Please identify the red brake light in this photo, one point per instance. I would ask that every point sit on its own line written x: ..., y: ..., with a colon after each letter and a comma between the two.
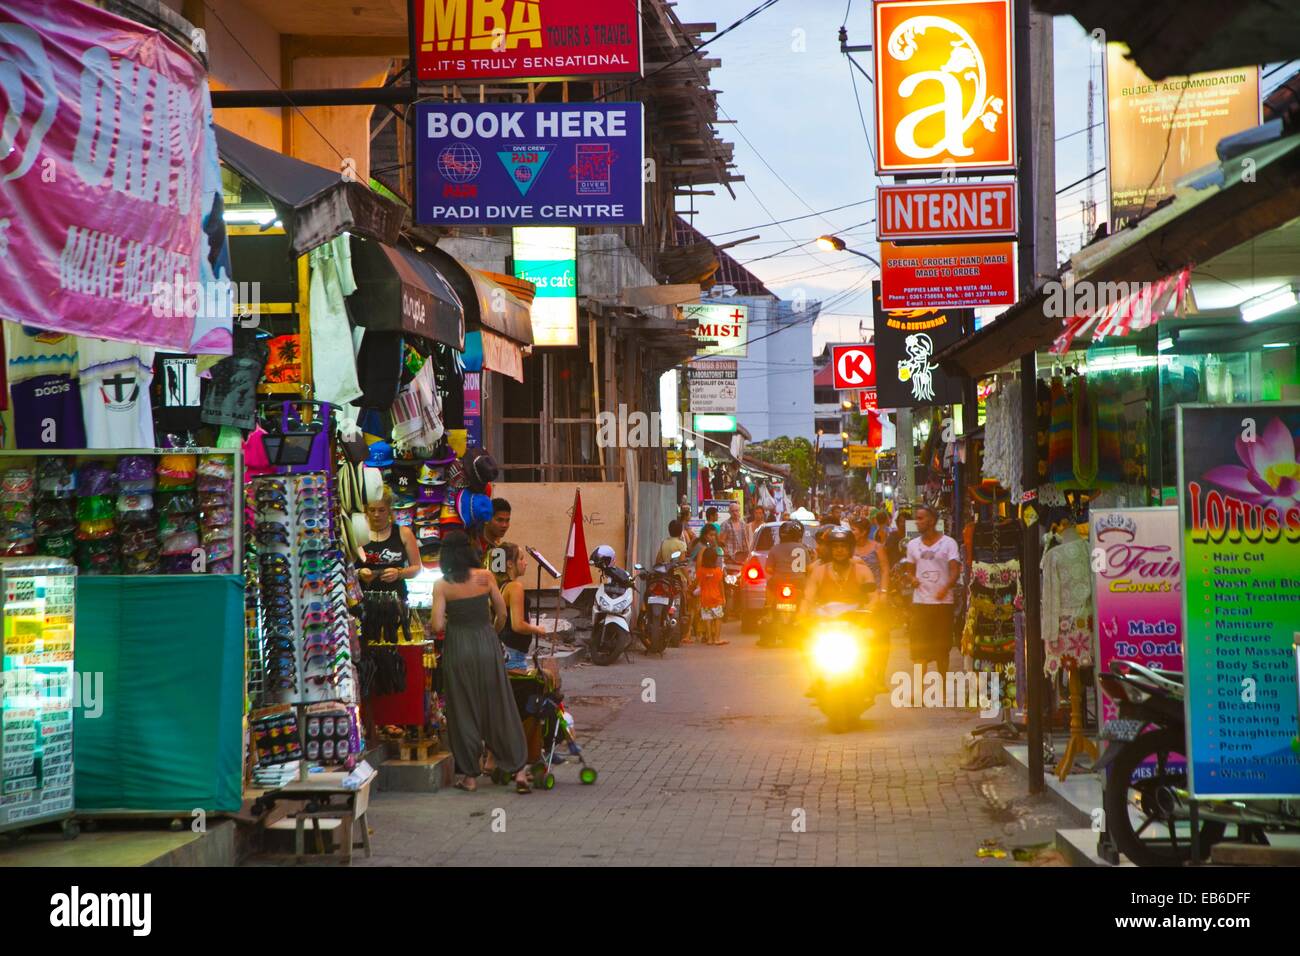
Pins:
x: 753, y: 571
x: 786, y: 591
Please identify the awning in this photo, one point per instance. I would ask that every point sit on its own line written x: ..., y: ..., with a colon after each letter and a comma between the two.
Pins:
x: 1219, y: 211
x: 488, y: 303
x: 315, y: 204
x: 1179, y: 37
x: 398, y: 290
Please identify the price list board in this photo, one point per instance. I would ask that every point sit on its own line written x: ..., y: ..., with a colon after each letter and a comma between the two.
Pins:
x: 1239, y: 503
x: 37, y: 692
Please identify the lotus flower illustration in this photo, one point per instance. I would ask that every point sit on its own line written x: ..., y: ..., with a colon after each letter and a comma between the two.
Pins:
x: 1270, y: 469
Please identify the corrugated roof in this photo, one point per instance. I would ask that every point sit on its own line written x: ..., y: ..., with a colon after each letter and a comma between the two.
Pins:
x: 730, y: 272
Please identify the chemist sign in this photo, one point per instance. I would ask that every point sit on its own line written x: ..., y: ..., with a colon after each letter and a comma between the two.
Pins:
x: 551, y: 164
x: 723, y: 329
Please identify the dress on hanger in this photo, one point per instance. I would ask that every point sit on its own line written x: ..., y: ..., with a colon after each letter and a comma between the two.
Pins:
x: 1067, y: 603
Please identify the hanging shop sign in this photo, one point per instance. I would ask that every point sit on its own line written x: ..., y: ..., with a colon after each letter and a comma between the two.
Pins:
x: 1138, y: 588
x: 861, y: 456
x: 527, y: 39
x: 712, y: 386
x: 1239, y: 506
x: 945, y: 91
x: 906, y: 343
x: 547, y: 256
x: 952, y: 276
x: 473, y: 394
x: 714, y: 423
x: 868, y: 400
x: 853, y: 366
x: 1158, y: 132
x: 723, y: 329
x: 947, y: 211
x: 110, y: 223
x: 524, y: 164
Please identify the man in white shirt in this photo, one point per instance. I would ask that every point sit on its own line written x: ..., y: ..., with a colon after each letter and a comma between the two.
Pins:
x: 935, y: 562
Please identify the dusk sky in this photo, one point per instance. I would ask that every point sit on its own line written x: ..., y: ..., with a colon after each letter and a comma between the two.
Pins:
x: 801, y: 147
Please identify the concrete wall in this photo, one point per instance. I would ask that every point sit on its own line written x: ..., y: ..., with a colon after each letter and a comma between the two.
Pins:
x: 244, y: 54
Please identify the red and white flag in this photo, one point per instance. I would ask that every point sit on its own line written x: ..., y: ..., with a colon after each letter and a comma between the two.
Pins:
x: 577, y: 572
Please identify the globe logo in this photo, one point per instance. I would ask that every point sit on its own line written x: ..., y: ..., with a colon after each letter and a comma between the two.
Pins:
x: 459, y: 163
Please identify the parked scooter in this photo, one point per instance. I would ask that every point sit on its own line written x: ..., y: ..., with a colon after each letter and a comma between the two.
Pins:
x: 1146, y: 797
x: 660, y: 620
x: 611, y: 612
x: 842, y: 652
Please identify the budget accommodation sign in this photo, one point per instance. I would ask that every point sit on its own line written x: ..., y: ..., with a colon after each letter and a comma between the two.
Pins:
x: 544, y: 164
x: 945, y: 90
x: 527, y: 39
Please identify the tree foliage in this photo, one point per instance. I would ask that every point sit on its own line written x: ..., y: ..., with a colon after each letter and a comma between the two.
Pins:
x: 795, y: 452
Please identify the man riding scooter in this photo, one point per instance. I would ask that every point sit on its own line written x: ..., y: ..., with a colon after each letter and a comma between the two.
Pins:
x: 787, y: 567
x: 844, y: 591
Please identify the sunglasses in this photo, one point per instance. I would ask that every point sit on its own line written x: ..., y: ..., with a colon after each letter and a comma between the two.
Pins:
x: 325, y: 660
x: 308, y: 521
x: 326, y: 561
x: 312, y: 501
x: 334, y: 679
x: 312, y: 481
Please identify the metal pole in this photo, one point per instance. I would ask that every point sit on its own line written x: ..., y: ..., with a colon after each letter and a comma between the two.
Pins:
x: 1027, y: 262
x: 905, y: 483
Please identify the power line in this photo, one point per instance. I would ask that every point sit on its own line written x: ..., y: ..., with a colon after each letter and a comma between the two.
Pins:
x: 1099, y: 169
x: 693, y: 50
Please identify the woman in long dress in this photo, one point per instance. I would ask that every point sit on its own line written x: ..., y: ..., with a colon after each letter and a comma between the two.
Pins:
x: 468, y: 606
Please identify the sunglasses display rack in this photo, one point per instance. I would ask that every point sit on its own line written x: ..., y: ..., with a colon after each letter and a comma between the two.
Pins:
x: 307, y: 629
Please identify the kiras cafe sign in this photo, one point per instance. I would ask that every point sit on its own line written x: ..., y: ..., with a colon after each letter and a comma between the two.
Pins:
x: 527, y: 39
x: 945, y: 88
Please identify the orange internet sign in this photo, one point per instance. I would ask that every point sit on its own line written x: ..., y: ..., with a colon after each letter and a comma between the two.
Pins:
x: 945, y: 90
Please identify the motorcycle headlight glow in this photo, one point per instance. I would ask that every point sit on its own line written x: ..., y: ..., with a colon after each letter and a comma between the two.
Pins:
x: 836, y: 652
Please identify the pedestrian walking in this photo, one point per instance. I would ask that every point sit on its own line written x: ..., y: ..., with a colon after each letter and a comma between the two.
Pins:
x: 469, y: 608
x: 712, y: 597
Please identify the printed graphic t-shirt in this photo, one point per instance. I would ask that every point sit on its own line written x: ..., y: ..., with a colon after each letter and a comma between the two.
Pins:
x: 931, y: 563
x: 47, y: 407
x: 115, y: 405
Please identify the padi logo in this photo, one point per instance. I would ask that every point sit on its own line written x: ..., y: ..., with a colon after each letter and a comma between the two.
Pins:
x: 75, y: 909
x: 56, y: 389
x: 1115, y: 522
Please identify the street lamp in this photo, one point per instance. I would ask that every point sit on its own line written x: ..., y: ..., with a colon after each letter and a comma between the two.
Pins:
x: 836, y: 244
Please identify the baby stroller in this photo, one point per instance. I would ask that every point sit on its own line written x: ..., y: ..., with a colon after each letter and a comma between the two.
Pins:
x: 546, y: 724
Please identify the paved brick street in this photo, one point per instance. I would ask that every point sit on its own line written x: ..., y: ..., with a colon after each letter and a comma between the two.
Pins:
x: 718, y: 770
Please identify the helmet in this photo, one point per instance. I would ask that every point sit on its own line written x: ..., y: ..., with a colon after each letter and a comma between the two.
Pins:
x: 602, y: 556
x: 790, y: 531
x: 839, y: 536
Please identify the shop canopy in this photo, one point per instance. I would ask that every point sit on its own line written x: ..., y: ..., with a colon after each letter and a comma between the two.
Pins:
x: 1213, y: 213
x: 314, y: 203
x: 1178, y: 37
x: 489, y: 302
x: 399, y: 290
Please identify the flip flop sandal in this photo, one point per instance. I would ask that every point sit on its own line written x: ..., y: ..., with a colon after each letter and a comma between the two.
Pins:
x: 462, y: 785
x: 522, y: 786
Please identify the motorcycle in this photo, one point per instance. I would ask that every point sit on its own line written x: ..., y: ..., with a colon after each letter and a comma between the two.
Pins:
x: 731, y: 588
x: 1146, y: 798
x: 781, y: 622
x: 659, y: 623
x: 843, y: 654
x: 611, y: 615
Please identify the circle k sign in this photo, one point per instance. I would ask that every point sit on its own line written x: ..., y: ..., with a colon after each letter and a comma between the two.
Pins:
x: 853, y: 366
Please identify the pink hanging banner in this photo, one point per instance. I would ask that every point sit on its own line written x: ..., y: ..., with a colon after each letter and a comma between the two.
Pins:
x: 108, y: 178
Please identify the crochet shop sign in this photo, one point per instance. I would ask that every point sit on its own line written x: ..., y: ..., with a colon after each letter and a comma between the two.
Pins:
x: 1239, y: 506
x: 906, y: 342
x: 950, y: 275
x: 1138, y: 586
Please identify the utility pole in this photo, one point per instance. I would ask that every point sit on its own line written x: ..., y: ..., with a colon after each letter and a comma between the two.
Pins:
x: 1035, y: 145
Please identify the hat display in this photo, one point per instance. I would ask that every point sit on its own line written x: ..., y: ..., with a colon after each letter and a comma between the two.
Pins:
x: 431, y: 494
x: 380, y: 456
x: 473, y: 509
x: 449, y: 514
x: 456, y: 475
x: 481, y: 469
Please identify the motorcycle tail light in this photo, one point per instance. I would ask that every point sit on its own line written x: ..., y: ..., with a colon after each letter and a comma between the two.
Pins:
x: 753, y: 572
x: 659, y: 590
x: 786, y: 591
